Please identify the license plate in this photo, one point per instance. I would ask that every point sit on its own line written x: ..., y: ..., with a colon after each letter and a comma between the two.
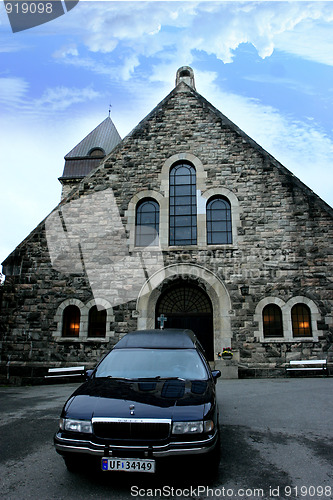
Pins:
x: 128, y: 464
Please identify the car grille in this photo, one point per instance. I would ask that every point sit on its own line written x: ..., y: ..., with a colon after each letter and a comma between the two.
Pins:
x: 131, y: 429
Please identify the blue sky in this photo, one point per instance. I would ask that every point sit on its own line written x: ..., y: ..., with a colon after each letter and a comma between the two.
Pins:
x: 268, y: 66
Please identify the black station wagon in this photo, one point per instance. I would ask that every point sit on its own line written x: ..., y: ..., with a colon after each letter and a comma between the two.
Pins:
x: 152, y: 396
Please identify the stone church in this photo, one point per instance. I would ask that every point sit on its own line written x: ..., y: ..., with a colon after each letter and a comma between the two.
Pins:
x: 186, y: 222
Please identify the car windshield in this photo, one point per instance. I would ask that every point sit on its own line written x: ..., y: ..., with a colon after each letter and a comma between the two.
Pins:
x: 153, y: 363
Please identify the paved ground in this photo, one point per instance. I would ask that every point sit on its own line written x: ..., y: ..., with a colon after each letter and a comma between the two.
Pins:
x: 277, y: 438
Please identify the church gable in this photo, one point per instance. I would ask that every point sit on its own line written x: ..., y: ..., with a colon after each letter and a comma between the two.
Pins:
x: 187, y: 205
x: 185, y: 127
x: 186, y: 123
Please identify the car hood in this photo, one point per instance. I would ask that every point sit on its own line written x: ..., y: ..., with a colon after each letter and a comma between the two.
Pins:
x: 174, y: 399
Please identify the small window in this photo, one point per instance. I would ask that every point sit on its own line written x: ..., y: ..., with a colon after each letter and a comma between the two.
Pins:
x: 183, y: 205
x: 97, y: 322
x: 147, y: 223
x: 97, y: 152
x: 219, y: 231
x: 301, y: 320
x: 272, y: 321
x: 71, y: 322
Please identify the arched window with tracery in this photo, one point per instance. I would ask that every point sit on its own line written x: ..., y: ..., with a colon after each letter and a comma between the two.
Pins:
x: 147, y: 223
x: 97, y: 322
x: 182, y: 205
x: 219, y: 228
x: 272, y: 321
x: 71, y: 321
x: 301, y: 321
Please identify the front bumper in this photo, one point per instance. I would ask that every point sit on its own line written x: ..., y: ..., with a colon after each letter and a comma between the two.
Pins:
x: 65, y: 445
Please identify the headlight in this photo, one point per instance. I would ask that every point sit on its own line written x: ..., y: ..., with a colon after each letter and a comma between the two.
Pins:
x: 67, y: 424
x: 187, y: 427
x: 192, y: 427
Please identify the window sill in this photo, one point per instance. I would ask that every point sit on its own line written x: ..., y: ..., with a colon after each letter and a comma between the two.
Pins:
x: 200, y: 247
x: 144, y: 248
x: 176, y: 248
x: 285, y: 340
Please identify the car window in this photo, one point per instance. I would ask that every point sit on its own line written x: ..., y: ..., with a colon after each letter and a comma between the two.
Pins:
x: 151, y: 363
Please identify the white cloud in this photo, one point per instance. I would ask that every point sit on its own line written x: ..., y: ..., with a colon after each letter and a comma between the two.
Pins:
x: 300, y: 28
x: 14, y: 96
x: 67, y: 50
x: 314, y: 43
x: 12, y: 90
x: 62, y: 98
x: 302, y: 147
x: 267, y: 25
x: 129, y: 66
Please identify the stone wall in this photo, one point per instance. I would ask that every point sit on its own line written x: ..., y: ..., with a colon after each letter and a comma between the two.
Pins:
x: 282, y: 243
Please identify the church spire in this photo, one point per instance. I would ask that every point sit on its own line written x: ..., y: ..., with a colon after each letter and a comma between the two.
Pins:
x: 88, y: 153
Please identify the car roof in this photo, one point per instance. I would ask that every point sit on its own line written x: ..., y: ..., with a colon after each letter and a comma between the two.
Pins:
x: 170, y: 338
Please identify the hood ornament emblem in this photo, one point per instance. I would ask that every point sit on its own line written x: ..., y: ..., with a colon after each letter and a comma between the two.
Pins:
x: 132, y: 408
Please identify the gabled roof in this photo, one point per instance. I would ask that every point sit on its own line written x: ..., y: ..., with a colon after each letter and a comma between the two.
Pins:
x: 226, y: 122
x: 104, y: 136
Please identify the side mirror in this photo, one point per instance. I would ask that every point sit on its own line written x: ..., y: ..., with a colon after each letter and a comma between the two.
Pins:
x: 216, y: 374
x: 88, y: 374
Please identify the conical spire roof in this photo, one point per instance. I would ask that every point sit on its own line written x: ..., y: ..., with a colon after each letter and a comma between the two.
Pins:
x: 86, y: 155
x: 105, y: 136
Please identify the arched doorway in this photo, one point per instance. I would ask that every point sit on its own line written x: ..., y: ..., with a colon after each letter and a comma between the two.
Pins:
x: 186, y: 305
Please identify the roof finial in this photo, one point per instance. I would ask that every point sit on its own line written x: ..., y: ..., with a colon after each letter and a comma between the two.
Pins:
x: 110, y: 106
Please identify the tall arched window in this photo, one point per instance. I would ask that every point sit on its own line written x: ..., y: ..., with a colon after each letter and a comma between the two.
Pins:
x: 219, y: 229
x: 301, y: 321
x: 272, y: 321
x: 183, y: 205
x: 71, y: 321
x: 147, y: 223
x: 97, y: 322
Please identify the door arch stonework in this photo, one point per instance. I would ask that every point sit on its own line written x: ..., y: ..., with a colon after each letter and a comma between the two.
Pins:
x: 213, y: 286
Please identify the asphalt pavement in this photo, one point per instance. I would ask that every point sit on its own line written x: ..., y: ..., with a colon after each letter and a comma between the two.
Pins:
x: 277, y: 438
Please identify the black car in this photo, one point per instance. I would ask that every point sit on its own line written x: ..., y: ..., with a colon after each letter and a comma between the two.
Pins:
x: 152, y: 396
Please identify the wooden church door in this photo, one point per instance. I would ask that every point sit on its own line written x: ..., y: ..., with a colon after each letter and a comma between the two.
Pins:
x: 188, y: 306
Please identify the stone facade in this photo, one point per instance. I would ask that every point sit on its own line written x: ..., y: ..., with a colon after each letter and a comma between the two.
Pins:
x: 280, y: 255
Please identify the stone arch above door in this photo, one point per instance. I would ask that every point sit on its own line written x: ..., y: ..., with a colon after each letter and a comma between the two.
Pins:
x: 214, y: 287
